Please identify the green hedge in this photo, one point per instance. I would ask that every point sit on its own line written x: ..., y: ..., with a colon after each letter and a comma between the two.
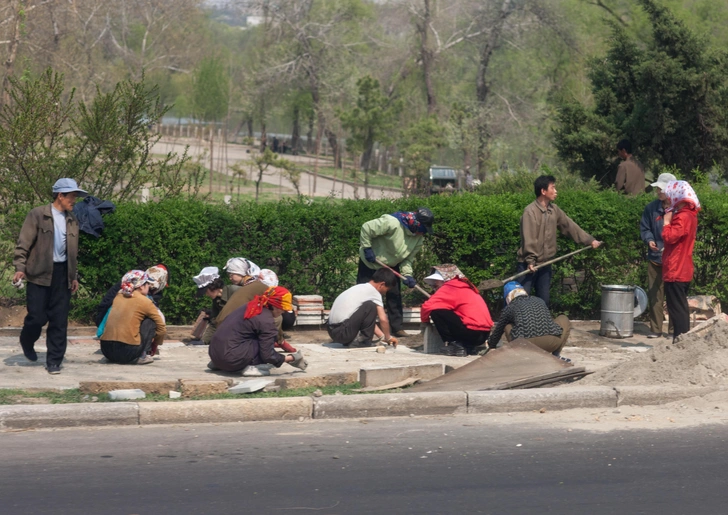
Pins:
x: 313, y: 245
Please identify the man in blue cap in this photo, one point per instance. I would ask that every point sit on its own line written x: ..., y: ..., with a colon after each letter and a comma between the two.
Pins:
x: 528, y: 317
x: 47, y: 257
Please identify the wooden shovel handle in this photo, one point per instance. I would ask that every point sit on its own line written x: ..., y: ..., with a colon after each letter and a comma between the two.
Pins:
x: 417, y: 286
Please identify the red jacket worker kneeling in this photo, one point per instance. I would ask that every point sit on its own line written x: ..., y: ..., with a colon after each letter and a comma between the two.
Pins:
x: 458, y: 311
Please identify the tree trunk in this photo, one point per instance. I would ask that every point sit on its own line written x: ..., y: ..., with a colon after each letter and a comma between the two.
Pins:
x: 366, y: 157
x: 12, y: 53
x: 334, y: 144
x: 482, y: 87
x: 427, y: 56
x: 296, y: 130
x: 309, y: 134
x: 249, y: 123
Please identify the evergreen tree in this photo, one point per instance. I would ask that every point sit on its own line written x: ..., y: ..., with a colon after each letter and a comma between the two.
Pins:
x: 668, y: 97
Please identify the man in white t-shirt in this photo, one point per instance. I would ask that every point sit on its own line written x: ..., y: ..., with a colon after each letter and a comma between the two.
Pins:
x: 353, y: 316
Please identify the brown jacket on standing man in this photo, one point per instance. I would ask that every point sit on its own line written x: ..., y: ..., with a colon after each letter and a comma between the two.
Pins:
x: 47, y: 256
x: 540, y: 224
x: 630, y: 175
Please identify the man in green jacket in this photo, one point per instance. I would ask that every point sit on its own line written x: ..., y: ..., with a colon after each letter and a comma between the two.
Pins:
x: 47, y: 257
x: 394, y: 240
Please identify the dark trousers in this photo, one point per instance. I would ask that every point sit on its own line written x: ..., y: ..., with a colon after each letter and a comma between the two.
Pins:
x: 362, y: 320
x: 392, y: 300
x: 48, y: 304
x: 540, y: 279
x: 289, y: 320
x: 676, y: 295
x: 123, y: 353
x: 452, y: 329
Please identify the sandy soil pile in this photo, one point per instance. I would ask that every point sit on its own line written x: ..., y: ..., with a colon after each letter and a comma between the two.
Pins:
x: 697, y: 359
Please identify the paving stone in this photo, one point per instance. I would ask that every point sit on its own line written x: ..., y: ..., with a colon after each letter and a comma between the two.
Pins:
x: 194, y: 388
x: 126, y: 395
x: 251, y: 386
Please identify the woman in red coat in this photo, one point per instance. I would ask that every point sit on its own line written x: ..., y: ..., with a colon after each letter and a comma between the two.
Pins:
x: 458, y: 311
x: 678, y: 234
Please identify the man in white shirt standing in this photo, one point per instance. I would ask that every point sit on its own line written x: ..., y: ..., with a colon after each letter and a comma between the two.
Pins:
x: 353, y: 316
x: 47, y: 257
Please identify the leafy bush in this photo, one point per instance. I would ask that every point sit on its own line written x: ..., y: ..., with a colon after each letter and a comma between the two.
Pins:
x: 313, y: 245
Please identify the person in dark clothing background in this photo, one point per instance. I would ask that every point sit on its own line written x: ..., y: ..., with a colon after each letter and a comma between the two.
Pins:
x: 651, y: 234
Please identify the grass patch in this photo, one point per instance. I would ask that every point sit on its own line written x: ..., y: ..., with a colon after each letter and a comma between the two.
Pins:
x: 74, y: 395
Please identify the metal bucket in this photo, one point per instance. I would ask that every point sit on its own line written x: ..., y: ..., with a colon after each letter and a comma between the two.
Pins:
x: 621, y: 304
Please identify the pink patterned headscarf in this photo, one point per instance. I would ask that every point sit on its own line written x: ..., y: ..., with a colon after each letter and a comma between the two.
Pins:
x: 133, y: 280
x: 680, y: 191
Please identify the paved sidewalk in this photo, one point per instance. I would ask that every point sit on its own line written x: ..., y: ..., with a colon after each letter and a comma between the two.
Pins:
x: 84, y: 361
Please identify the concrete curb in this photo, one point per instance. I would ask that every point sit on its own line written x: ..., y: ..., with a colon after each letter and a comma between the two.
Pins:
x: 502, y: 401
x: 338, y: 406
x: 390, y: 405
x: 69, y: 415
x: 242, y: 410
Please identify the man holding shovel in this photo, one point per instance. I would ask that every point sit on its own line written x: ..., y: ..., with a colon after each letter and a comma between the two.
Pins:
x: 393, y: 240
x: 539, y: 225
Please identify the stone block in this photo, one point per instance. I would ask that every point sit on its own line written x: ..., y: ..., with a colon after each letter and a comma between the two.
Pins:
x: 388, y: 375
x: 194, y: 388
x: 251, y: 386
x: 158, y: 387
x: 228, y: 410
x: 127, y: 395
x: 503, y: 401
x: 389, y: 405
x: 288, y: 383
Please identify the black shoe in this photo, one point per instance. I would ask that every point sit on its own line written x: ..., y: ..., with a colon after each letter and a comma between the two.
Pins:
x: 54, y: 369
x: 454, y: 349
x: 195, y: 342
x: 212, y: 366
x: 29, y: 352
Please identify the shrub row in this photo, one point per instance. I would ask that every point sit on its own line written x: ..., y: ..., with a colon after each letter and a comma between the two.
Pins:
x: 313, y: 245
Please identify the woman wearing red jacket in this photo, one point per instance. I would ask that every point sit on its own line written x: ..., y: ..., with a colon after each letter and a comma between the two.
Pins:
x: 458, y: 311
x: 678, y: 234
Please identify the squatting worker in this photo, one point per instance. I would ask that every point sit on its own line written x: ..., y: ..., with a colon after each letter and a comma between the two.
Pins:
x: 353, y: 316
x: 651, y: 234
x: 47, y: 257
x: 528, y: 317
x: 458, y: 311
x: 539, y: 224
x: 630, y: 174
x: 135, y: 326
x: 678, y: 232
x: 395, y: 240
x: 244, y: 340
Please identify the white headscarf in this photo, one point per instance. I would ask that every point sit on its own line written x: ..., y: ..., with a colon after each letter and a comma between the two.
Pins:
x: 241, y: 266
x: 206, y: 276
x: 268, y: 277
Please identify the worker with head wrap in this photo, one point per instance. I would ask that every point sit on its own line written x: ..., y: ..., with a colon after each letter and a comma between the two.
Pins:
x: 528, y: 317
x: 394, y: 240
x: 159, y: 277
x: 458, y: 311
x: 244, y: 341
x: 134, y: 325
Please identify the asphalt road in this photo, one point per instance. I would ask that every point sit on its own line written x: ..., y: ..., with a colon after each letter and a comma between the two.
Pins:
x: 447, y: 465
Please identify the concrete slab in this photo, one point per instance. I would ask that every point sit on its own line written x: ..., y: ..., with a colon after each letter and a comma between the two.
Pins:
x: 373, y: 377
x: 254, y: 385
x: 127, y: 395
